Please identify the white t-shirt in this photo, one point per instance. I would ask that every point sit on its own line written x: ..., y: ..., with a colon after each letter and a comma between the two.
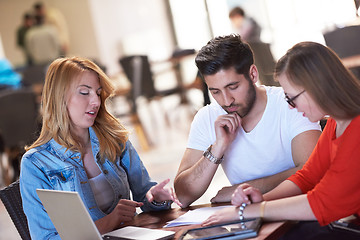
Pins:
x: 264, y: 151
x: 42, y: 43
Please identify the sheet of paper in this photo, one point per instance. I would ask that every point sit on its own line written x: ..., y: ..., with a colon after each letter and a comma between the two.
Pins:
x: 140, y: 233
x: 196, y: 216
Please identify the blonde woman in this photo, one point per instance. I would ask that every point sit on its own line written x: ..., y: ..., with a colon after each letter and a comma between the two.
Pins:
x: 83, y: 148
x: 327, y: 188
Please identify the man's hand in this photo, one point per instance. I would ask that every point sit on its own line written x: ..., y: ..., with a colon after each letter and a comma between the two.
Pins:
x: 195, y: 171
x: 226, y: 129
x: 224, y: 194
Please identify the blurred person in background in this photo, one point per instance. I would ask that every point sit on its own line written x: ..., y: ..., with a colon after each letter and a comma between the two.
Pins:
x: 54, y: 17
x: 27, y: 23
x: 247, y: 27
x: 42, y: 42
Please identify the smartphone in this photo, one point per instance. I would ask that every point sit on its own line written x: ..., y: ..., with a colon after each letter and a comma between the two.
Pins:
x: 348, y: 226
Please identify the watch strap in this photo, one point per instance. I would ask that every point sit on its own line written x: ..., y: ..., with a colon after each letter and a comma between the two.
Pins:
x: 208, y: 155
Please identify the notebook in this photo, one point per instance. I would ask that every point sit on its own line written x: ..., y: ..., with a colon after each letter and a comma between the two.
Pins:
x: 72, y: 220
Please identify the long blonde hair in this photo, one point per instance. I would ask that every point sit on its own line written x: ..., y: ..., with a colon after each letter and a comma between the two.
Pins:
x: 56, y: 122
x: 321, y: 73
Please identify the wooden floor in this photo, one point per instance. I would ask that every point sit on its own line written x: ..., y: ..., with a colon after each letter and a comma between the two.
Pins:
x: 167, y: 145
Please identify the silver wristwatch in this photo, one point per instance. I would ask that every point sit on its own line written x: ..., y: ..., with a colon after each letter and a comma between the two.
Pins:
x: 207, y: 154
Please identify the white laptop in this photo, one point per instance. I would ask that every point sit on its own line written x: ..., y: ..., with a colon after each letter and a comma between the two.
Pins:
x: 72, y: 220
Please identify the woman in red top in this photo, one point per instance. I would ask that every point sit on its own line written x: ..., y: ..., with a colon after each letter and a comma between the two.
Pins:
x: 328, y: 187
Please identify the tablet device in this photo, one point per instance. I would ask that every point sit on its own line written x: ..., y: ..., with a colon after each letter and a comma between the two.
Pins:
x: 345, y: 226
x: 231, y: 230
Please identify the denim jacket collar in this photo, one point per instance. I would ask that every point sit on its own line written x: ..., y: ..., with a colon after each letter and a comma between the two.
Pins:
x: 64, y: 153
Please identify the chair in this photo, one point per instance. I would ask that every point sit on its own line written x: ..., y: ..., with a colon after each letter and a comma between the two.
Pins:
x: 345, y: 42
x: 11, y: 198
x: 200, y: 83
x: 138, y: 71
x: 265, y: 62
x: 18, y: 126
x: 33, y: 74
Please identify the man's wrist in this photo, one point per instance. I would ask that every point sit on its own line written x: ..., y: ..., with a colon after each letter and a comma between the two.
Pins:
x: 218, y: 149
x: 211, y: 157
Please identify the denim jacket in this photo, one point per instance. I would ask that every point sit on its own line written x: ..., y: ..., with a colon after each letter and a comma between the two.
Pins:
x: 52, y: 166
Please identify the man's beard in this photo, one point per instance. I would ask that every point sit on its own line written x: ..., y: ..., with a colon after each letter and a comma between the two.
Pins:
x: 249, y: 102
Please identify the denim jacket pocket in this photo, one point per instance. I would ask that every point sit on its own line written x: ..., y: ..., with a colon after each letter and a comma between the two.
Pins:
x: 63, y: 179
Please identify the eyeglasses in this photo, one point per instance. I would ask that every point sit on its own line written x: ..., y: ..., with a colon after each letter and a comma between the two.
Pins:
x: 290, y: 101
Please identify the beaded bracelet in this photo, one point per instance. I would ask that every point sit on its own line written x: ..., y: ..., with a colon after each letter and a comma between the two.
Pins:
x: 241, y: 211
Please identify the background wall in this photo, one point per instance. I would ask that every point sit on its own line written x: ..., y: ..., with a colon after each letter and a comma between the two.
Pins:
x: 104, y: 30
x: 127, y: 27
x: 99, y: 29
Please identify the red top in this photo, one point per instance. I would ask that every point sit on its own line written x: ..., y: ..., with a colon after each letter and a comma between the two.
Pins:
x: 331, y: 176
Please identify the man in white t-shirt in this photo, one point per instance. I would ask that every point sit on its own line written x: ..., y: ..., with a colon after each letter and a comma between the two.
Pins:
x: 250, y: 129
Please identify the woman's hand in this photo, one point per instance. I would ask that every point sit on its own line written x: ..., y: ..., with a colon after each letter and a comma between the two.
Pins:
x: 160, y: 193
x: 123, y: 212
x: 125, y: 209
x: 226, y: 214
x: 245, y: 193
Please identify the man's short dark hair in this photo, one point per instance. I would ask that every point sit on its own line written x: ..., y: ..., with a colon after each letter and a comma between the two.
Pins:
x: 38, y: 5
x: 224, y: 52
x: 236, y: 11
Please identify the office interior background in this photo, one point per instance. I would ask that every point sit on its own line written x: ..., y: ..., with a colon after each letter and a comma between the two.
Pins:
x: 106, y: 30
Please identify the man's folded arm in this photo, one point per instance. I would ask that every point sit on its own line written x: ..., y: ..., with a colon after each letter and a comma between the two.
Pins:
x: 193, y: 177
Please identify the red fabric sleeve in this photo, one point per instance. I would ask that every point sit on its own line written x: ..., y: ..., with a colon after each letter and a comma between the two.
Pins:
x: 313, y: 170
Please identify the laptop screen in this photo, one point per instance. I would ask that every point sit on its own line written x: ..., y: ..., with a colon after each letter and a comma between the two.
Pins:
x: 73, y: 221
